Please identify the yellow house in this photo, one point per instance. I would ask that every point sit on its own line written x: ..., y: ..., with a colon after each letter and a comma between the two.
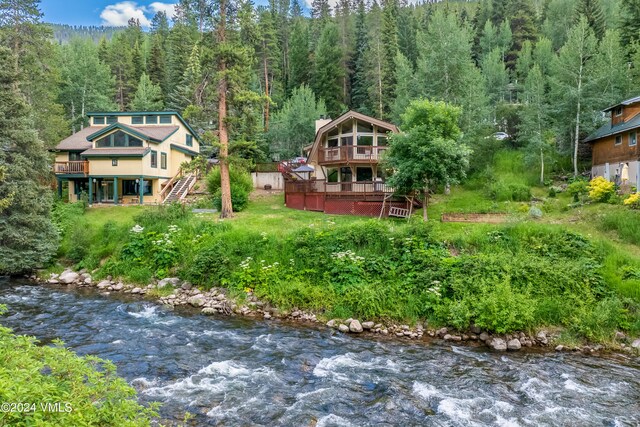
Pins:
x: 127, y: 157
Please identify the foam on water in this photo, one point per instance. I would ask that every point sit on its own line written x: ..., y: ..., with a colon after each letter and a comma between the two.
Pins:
x: 332, y: 420
x: 331, y: 366
x: 425, y: 391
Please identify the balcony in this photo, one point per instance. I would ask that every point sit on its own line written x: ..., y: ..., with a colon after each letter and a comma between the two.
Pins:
x: 365, y: 154
x: 72, y: 168
x: 351, y: 188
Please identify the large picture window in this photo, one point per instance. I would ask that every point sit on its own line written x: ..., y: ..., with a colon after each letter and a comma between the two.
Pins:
x: 364, y: 174
x: 131, y: 187
x: 118, y: 139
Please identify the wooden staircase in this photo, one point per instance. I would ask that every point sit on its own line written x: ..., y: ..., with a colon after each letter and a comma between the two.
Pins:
x: 178, y: 188
x: 286, y: 169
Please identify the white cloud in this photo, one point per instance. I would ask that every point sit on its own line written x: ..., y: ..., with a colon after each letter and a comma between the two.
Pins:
x: 117, y: 15
x: 168, y: 8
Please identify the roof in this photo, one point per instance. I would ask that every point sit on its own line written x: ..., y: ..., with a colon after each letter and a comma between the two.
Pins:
x: 116, y: 152
x: 303, y: 168
x: 145, y: 113
x: 184, y: 150
x: 625, y: 102
x: 77, y: 141
x: 148, y: 133
x: 343, y: 118
x: 607, y: 129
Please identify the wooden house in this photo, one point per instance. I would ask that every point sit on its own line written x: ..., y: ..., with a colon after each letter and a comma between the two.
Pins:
x: 347, y: 176
x: 615, y: 144
x: 127, y: 157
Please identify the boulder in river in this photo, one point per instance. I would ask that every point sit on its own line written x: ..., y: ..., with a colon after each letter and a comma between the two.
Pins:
x: 514, y: 344
x: 197, y: 301
x: 367, y: 325
x: 331, y: 323
x: 355, y: 326
x: 343, y: 328
x: 636, y: 343
x: 69, y: 277
x: 498, y: 344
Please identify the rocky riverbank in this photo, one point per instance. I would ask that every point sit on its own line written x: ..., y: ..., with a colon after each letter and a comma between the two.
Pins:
x: 174, y: 292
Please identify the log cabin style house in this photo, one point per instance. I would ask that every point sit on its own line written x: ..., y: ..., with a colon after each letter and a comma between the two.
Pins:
x: 615, y: 144
x: 127, y: 158
x: 343, y: 174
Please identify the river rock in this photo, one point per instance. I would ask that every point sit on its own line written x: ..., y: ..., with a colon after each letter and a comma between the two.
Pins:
x: 69, y: 277
x: 514, y: 344
x: 118, y: 286
x: 87, y: 281
x: 484, y: 336
x: 104, y: 284
x: 560, y: 348
x: 442, y: 332
x: 367, y: 325
x: 136, y: 291
x: 208, y: 310
x: 196, y: 301
x: 331, y: 323
x: 355, y: 326
x: 343, y: 328
x: 498, y: 344
x: 636, y: 343
x: 173, y: 281
x: 620, y: 335
x: 541, y: 337
x: 475, y: 329
x: 186, y: 286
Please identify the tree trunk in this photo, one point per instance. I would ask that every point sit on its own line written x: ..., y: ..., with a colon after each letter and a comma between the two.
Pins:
x: 541, y: 167
x: 577, y: 135
x: 225, y: 185
x: 425, y: 216
x: 266, y: 91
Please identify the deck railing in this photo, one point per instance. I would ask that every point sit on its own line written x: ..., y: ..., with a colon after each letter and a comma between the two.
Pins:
x: 321, y: 186
x: 351, y: 153
x: 74, y: 167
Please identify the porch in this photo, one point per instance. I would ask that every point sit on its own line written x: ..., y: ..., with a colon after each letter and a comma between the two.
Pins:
x: 116, y: 190
x: 71, y: 167
x: 365, y: 154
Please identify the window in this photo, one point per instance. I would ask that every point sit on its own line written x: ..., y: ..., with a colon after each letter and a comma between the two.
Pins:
x: 346, y: 140
x: 118, y: 139
x: 382, y: 141
x: 165, y: 120
x: 114, y: 162
x: 163, y: 160
x: 131, y: 187
x: 365, y: 127
x: 111, y: 120
x: 346, y: 175
x: 154, y: 159
x: 618, y: 111
x: 98, y: 120
x: 365, y: 140
x: 333, y: 142
x: 80, y: 186
x: 364, y: 174
x: 334, y: 132
x: 74, y: 157
x: 332, y: 175
x: 189, y: 140
x: 151, y: 120
x: 633, y: 139
x: 618, y: 139
x: 137, y: 120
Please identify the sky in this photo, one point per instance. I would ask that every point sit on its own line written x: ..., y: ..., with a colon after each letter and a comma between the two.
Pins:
x: 103, y: 12
x: 109, y: 12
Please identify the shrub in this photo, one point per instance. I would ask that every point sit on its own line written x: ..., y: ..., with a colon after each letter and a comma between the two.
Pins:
x: 48, y: 374
x: 578, y: 189
x: 501, y: 309
x: 601, y: 190
x: 633, y: 201
x: 241, y: 187
x: 515, y: 192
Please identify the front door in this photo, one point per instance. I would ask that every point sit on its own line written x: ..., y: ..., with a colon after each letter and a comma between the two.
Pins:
x: 108, y: 191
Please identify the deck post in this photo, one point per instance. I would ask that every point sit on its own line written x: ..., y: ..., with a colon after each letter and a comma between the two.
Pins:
x: 90, y: 191
x: 99, y: 190
x: 141, y: 189
x: 115, y: 190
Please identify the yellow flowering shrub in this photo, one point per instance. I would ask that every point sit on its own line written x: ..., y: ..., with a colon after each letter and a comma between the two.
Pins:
x: 633, y: 201
x: 601, y: 190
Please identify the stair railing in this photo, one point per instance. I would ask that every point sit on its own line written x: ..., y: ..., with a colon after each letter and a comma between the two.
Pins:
x: 169, y: 185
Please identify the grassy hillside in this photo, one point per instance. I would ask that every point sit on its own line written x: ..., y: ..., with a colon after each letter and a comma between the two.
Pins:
x: 554, y: 262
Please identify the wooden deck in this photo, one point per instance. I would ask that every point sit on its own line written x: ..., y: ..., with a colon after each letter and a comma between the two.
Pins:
x: 365, y: 154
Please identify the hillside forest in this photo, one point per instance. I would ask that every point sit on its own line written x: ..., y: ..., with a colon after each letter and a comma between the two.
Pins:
x: 540, y: 70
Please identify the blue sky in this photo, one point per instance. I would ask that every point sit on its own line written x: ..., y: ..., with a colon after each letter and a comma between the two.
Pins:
x: 102, y: 12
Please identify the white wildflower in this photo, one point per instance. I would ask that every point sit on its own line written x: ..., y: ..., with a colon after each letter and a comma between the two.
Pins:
x: 137, y: 229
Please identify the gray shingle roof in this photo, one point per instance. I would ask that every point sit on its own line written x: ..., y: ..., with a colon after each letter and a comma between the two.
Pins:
x: 625, y: 102
x: 78, y: 141
x: 607, y: 129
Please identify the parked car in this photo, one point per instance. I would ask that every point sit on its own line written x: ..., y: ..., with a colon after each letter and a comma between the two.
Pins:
x: 501, y: 136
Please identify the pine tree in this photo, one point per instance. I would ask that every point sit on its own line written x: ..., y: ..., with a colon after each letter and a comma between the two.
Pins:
x: 374, y: 62
x: 343, y: 18
x: 148, y: 96
x: 28, y: 236
x: 489, y: 39
x: 499, y: 11
x: 328, y: 73
x: 523, y: 29
x: 524, y: 62
x: 180, y: 42
x: 390, y: 50
x: 300, y: 55
x: 612, y: 69
x: 560, y: 15
x: 544, y: 55
x: 268, y: 52
x: 20, y: 28
x: 592, y: 10
x: 121, y: 63
x: 630, y: 22
x: 407, y: 29
x: 157, y: 63
x: 359, y: 84
x: 320, y: 16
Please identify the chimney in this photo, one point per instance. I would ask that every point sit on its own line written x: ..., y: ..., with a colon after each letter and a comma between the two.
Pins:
x: 321, y: 122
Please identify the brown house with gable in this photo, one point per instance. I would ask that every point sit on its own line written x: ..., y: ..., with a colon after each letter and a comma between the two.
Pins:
x: 615, y: 144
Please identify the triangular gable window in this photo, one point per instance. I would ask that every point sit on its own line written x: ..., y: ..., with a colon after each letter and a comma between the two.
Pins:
x: 118, y: 139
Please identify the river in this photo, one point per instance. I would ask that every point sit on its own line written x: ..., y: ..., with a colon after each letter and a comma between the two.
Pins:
x: 230, y: 371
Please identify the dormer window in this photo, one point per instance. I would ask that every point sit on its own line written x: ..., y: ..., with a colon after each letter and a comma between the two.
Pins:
x: 111, y: 120
x: 151, y: 120
x: 165, y: 120
x: 137, y: 120
x: 98, y: 120
x: 617, y: 111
